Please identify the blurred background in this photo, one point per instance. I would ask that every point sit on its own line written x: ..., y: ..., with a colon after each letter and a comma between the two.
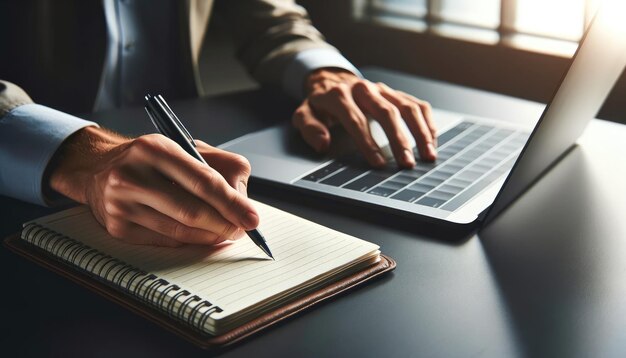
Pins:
x: 515, y: 47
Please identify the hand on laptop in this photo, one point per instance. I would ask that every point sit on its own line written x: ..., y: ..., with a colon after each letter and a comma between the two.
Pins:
x: 336, y: 96
x: 148, y: 190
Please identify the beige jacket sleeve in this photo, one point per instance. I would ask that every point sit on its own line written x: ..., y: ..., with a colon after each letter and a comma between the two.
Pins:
x: 11, y: 96
x: 269, y: 33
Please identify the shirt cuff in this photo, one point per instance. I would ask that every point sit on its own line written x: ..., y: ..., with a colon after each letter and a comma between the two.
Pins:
x: 310, y: 60
x: 29, y: 136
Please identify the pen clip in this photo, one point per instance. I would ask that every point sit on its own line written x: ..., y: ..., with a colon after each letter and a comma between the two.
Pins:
x: 180, y: 125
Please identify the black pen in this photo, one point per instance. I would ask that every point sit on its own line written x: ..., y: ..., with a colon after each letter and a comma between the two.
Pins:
x: 168, y: 124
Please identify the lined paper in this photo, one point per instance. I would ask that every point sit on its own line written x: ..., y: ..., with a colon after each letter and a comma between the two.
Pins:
x: 237, y: 276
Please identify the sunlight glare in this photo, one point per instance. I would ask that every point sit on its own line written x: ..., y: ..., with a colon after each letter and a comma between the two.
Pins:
x: 552, y: 18
x: 612, y: 14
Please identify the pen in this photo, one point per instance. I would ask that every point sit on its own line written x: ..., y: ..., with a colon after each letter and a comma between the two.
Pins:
x: 168, y: 124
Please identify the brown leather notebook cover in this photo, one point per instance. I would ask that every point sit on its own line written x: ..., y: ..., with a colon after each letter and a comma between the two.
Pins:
x: 203, y: 340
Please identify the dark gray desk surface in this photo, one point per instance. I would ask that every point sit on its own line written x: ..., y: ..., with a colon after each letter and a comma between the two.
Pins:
x: 547, y: 278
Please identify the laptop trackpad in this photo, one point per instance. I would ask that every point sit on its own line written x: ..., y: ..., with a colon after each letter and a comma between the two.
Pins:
x: 278, y: 153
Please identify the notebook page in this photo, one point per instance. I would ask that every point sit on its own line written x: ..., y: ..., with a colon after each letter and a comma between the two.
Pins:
x: 234, y: 275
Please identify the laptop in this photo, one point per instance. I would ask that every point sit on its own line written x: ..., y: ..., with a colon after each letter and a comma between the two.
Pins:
x: 483, y: 164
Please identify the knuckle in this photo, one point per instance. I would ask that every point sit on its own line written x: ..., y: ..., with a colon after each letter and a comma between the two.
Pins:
x: 143, y: 142
x: 114, y: 209
x: 242, y: 164
x: 340, y: 90
x: 361, y: 85
x: 299, y: 113
x: 148, y: 142
x: 426, y: 106
x: 389, y: 111
x: 409, y: 108
x: 117, y: 178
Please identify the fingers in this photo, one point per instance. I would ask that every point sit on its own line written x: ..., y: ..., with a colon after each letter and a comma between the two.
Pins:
x: 166, y: 227
x: 348, y: 103
x: 339, y: 104
x: 424, y: 107
x: 416, y: 121
x: 368, y: 97
x: 234, y: 168
x: 202, y: 181
x: 129, y: 191
x: 138, y: 235
x: 314, y: 132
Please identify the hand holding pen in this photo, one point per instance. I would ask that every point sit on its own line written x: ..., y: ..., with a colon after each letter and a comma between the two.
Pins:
x: 127, y: 183
x: 170, y: 126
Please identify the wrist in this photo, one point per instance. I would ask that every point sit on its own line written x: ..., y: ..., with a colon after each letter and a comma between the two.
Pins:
x: 76, y: 161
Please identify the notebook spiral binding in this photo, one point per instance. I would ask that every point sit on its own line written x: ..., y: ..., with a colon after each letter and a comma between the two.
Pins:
x: 155, y: 291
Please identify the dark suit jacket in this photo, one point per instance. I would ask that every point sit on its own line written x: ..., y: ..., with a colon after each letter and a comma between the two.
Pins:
x: 55, y: 49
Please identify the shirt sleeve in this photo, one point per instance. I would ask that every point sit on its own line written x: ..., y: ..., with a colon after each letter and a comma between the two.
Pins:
x: 310, y: 60
x: 29, y: 136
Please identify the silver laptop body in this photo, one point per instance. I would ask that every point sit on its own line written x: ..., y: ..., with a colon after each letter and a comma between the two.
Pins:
x: 480, y: 161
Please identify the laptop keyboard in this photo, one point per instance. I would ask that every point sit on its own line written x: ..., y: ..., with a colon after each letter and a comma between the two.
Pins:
x: 470, y: 157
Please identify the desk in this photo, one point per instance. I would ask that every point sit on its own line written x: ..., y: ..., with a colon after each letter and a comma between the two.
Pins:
x: 546, y: 278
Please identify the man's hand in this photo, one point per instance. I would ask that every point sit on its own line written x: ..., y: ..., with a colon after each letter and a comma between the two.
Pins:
x: 148, y: 190
x: 339, y: 97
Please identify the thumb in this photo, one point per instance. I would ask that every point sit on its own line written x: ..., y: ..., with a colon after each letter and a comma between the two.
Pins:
x: 314, y: 132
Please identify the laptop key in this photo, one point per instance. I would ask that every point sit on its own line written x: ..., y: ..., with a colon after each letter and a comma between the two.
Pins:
x: 382, y: 191
x: 404, y: 179
x: 369, y: 180
x: 453, y: 132
x: 422, y: 187
x: 442, y: 195
x: 430, y: 181
x: 440, y: 175
x: 470, y: 175
x: 408, y: 195
x: 393, y: 184
x: 344, y: 176
x: 432, y: 202
x: 477, y: 187
x: 325, y: 171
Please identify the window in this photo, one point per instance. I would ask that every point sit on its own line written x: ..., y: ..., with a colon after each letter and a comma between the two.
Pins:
x: 550, y: 26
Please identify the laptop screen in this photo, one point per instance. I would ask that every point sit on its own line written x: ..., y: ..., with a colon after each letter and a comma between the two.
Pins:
x: 596, y: 66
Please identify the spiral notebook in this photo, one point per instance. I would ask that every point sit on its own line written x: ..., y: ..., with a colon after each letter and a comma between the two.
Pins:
x: 210, y: 295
